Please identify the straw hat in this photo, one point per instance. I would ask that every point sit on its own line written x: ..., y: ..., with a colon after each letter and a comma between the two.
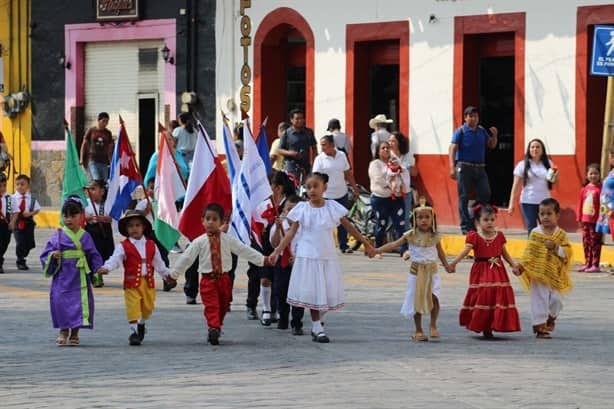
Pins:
x: 129, y: 215
x: 379, y: 119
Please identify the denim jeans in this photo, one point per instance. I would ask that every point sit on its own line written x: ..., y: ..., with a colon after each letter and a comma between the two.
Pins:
x: 468, y: 177
x: 98, y: 171
x: 342, y: 234
x: 385, y: 209
x: 530, y: 214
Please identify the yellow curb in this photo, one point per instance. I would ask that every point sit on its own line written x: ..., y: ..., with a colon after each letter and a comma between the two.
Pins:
x: 48, y: 218
x: 454, y: 244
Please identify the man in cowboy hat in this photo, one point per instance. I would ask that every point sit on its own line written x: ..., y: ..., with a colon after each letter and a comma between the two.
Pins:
x: 379, y: 124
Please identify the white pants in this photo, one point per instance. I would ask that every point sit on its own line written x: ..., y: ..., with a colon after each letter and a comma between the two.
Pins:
x: 544, y: 302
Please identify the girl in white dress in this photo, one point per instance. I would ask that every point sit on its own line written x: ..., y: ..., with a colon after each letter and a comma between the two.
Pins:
x: 316, y: 281
x: 423, y: 282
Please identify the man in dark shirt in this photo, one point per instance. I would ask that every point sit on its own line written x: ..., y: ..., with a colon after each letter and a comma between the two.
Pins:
x: 298, y: 145
x: 97, y: 149
x: 467, y: 155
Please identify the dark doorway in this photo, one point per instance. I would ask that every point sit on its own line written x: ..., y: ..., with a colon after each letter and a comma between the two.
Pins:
x: 376, y: 91
x: 385, y: 92
x: 497, y: 109
x: 295, y: 89
x: 147, y: 131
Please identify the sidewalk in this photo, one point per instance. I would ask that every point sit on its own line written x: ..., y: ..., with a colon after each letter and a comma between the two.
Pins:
x: 453, y: 240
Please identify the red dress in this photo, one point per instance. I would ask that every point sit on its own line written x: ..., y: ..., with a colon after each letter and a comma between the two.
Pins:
x: 489, y: 304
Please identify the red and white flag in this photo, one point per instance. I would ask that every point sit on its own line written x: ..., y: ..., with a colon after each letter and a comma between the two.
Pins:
x: 208, y: 183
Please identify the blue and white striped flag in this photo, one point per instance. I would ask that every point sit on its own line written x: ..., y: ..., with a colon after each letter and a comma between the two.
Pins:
x: 232, y: 156
x: 249, y: 188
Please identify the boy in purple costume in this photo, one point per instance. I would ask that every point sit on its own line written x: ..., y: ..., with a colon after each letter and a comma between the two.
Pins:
x: 70, y: 257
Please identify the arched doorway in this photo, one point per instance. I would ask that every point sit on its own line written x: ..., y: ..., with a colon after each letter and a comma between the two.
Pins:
x: 283, y: 68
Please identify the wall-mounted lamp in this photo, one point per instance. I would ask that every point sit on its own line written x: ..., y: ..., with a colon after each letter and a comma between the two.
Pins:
x: 166, y: 55
x: 433, y: 19
x: 62, y: 61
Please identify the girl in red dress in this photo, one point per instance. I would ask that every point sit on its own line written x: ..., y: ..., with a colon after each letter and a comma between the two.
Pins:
x: 489, y: 304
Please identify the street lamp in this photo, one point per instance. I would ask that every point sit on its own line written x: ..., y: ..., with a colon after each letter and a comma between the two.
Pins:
x: 166, y: 55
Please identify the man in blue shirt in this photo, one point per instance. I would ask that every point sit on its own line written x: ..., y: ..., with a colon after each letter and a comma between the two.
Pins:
x: 467, y: 155
x: 298, y: 145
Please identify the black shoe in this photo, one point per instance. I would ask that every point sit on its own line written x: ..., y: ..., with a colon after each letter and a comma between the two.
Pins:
x: 141, y: 331
x: 166, y: 286
x: 320, y: 337
x: 214, y: 336
x: 297, y: 331
x: 134, y: 339
x: 252, y: 314
x: 1, y: 270
x: 190, y: 301
x: 274, y: 318
x: 266, y: 321
x: 22, y: 266
x: 282, y: 324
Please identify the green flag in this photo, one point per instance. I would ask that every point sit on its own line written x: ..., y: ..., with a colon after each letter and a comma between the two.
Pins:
x: 74, y: 176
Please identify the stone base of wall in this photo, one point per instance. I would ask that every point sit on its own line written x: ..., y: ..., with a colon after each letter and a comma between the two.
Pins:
x: 47, y: 176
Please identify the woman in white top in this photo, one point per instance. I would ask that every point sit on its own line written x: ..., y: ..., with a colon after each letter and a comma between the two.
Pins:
x: 186, y: 137
x: 532, y: 172
x: 381, y: 201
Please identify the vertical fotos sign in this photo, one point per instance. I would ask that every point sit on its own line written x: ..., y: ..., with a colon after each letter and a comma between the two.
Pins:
x: 1, y: 75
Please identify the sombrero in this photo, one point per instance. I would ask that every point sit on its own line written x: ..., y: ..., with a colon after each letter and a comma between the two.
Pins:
x: 131, y: 214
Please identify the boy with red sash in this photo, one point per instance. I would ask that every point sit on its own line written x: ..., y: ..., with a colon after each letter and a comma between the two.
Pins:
x: 214, y: 250
x: 139, y: 256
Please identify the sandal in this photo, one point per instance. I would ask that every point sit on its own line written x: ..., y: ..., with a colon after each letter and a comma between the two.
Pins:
x: 543, y: 335
x: 550, y: 324
x: 434, y: 332
x: 347, y: 251
x: 488, y: 335
x: 74, y: 341
x: 62, y: 339
x: 419, y: 337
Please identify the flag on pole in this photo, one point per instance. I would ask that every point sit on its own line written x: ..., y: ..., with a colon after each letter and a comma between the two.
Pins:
x: 250, y: 188
x: 263, y: 148
x: 124, y: 177
x: 208, y: 183
x: 232, y: 156
x: 74, y: 175
x: 168, y: 187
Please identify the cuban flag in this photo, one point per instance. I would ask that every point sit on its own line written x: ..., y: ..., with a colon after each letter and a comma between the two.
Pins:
x: 249, y: 189
x: 263, y: 148
x: 124, y: 177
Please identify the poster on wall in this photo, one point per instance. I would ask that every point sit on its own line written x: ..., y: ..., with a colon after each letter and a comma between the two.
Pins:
x: 1, y: 75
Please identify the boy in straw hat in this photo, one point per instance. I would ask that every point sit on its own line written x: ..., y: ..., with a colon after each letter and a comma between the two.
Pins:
x: 139, y: 256
x: 379, y: 124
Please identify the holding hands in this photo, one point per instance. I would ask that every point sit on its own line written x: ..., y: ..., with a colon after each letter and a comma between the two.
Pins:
x: 102, y: 270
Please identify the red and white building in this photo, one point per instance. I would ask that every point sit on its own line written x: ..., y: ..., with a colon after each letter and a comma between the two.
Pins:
x: 523, y: 63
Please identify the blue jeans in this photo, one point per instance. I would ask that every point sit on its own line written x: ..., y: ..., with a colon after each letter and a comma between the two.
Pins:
x: 385, y: 208
x: 530, y: 214
x: 342, y: 234
x: 408, y: 209
x: 98, y: 171
x: 468, y: 177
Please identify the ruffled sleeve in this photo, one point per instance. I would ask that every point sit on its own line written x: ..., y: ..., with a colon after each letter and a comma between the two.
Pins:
x: 297, y: 212
x: 337, y: 211
x: 501, y: 238
x: 472, y: 239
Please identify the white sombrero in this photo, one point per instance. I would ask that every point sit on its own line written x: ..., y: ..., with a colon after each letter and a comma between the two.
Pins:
x: 379, y: 119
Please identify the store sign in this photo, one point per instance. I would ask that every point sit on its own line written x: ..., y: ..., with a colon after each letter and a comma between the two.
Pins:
x: 114, y: 10
x: 246, y: 71
x: 602, y: 62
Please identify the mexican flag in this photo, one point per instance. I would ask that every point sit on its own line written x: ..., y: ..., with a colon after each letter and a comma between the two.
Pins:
x: 168, y: 187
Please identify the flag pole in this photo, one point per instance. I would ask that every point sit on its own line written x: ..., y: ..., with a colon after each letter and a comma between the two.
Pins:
x: 162, y: 130
x: 202, y: 129
x: 135, y: 164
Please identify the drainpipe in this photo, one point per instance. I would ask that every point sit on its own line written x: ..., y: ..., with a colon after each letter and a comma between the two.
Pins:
x: 193, y: 44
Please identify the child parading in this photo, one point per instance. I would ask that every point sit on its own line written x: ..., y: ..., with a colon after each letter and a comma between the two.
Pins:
x: 423, y: 282
x: 24, y: 208
x: 283, y: 270
x: 605, y: 222
x: 316, y: 281
x: 587, y: 215
x: 6, y: 203
x: 140, y: 257
x: 98, y: 224
x: 489, y: 304
x: 545, y: 269
x: 213, y: 250
x: 69, y: 258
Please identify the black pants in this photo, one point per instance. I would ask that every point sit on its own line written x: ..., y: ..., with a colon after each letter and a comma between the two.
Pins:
x: 24, y: 240
x: 192, y: 281
x: 231, y: 273
x: 5, y: 239
x: 280, y: 289
x: 253, y: 286
x: 102, y: 234
x: 163, y: 252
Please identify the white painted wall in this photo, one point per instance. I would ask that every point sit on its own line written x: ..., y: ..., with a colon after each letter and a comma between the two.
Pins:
x: 549, y: 60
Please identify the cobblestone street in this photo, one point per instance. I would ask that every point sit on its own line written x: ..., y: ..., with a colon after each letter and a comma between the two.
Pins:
x: 371, y: 362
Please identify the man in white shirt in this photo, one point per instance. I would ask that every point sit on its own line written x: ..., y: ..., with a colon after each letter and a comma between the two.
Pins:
x: 335, y: 164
